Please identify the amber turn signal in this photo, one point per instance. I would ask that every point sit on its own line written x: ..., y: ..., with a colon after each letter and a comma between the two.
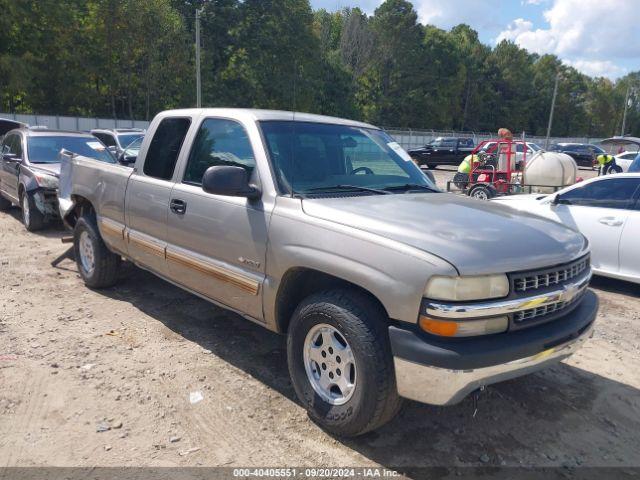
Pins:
x: 438, y: 327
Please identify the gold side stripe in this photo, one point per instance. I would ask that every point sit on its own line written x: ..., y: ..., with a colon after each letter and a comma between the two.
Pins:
x: 240, y: 281
x: 146, y: 245
x: 112, y: 230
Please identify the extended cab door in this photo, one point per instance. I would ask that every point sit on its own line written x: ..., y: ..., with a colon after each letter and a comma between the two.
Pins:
x: 217, y: 244
x: 148, y: 192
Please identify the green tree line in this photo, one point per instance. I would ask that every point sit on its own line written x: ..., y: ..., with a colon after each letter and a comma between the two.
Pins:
x: 132, y: 58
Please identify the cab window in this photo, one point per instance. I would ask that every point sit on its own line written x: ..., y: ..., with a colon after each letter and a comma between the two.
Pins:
x: 165, y: 147
x: 219, y: 142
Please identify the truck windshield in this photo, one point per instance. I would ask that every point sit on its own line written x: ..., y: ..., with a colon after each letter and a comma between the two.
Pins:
x: 316, y: 157
x: 45, y: 149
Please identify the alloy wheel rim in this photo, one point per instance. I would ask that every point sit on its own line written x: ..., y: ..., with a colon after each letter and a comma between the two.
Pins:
x: 26, y: 211
x: 480, y: 195
x: 87, y: 255
x: 330, y: 364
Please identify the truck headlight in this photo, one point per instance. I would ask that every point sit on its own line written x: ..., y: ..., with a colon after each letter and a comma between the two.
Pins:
x: 464, y: 328
x: 467, y: 288
x: 46, y: 181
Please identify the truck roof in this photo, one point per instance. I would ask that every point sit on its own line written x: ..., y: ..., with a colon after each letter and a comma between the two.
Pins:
x: 263, y: 115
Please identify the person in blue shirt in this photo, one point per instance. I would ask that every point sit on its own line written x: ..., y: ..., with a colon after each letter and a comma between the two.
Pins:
x: 635, y: 165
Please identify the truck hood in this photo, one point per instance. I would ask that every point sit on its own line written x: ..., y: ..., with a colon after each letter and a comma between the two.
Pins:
x: 476, y: 237
x: 48, y: 168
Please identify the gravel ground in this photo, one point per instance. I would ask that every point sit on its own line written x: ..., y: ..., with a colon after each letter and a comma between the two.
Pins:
x: 104, y: 378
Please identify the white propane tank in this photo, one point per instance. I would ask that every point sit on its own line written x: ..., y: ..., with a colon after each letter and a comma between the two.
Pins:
x: 551, y: 169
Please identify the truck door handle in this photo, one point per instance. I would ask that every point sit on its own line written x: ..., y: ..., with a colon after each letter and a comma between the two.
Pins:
x: 178, y: 206
x: 611, y: 221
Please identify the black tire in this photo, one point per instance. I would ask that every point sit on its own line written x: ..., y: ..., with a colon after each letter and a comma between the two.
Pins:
x: 105, y: 263
x: 615, y: 169
x: 32, y: 218
x: 4, y: 204
x: 461, y: 180
x: 363, y: 325
x: 482, y: 192
x: 431, y: 166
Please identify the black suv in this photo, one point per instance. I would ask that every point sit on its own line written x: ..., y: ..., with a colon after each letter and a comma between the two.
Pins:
x: 30, y: 168
x: 583, y: 153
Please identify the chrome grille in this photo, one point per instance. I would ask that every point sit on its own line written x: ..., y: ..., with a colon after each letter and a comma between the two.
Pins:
x: 538, y: 312
x: 524, y: 282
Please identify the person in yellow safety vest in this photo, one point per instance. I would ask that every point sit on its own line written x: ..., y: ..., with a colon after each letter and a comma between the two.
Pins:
x: 465, y: 165
x: 606, y: 162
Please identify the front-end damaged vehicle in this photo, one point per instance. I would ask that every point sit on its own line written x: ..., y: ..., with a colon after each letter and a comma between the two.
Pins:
x: 323, y: 229
x: 30, y: 169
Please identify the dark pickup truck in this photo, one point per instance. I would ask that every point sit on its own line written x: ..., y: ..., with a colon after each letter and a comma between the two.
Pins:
x: 442, y: 151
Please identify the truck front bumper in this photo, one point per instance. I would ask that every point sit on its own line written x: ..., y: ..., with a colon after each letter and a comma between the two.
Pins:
x: 444, y: 371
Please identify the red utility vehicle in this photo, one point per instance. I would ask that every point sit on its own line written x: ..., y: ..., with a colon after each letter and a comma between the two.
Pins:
x: 497, y: 169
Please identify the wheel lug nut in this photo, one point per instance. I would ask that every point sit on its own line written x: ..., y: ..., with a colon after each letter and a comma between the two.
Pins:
x: 324, y: 354
x: 331, y: 350
x: 338, y: 359
x: 330, y: 374
x: 324, y: 366
x: 338, y: 372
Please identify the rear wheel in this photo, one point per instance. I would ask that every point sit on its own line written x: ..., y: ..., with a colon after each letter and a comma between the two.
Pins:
x: 431, y: 166
x: 340, y: 362
x: 482, y: 192
x: 98, y: 266
x: 32, y: 218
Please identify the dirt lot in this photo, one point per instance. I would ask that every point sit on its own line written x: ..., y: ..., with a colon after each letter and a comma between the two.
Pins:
x: 103, y: 378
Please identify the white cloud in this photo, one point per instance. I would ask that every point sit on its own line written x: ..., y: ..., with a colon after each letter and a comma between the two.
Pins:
x: 447, y: 14
x: 589, y: 34
x: 597, y: 68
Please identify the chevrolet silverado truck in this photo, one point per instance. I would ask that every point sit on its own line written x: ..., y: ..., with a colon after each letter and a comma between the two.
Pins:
x: 324, y: 230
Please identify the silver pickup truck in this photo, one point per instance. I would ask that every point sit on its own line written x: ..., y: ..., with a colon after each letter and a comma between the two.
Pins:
x: 323, y: 229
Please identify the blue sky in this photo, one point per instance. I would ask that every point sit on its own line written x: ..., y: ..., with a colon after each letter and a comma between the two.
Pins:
x: 598, y: 37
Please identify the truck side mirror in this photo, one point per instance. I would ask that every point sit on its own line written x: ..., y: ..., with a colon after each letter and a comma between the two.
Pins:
x: 229, y: 180
x: 127, y: 159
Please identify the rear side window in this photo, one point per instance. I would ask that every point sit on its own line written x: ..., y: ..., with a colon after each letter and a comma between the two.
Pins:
x: 609, y: 193
x: 219, y: 142
x: 165, y: 147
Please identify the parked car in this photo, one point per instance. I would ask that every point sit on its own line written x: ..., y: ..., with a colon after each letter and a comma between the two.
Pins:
x: 606, y: 210
x: 625, y: 159
x: 443, y: 151
x: 583, y: 153
x: 29, y: 169
x: 323, y: 229
x: 117, y: 139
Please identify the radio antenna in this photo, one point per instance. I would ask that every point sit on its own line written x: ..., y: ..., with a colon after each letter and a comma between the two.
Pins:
x: 293, y: 125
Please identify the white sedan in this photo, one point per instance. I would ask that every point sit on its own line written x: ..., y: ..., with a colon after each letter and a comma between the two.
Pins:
x: 625, y: 159
x: 606, y: 210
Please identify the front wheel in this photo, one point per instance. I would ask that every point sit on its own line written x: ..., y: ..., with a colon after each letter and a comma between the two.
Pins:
x: 97, y: 265
x: 341, y: 364
x: 32, y: 218
x: 482, y: 192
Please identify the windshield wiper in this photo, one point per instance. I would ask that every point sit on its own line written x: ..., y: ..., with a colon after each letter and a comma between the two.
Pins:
x: 346, y: 188
x: 412, y: 186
